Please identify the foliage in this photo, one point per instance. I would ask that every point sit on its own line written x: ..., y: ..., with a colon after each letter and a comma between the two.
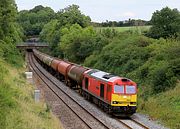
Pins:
x: 32, y: 21
x: 165, y: 107
x: 78, y: 43
x: 165, y: 23
x: 153, y: 63
x: 51, y: 32
x: 9, y: 53
x: 9, y: 29
x: 10, y: 33
x: 6, y: 102
x: 129, y: 22
x: 72, y: 15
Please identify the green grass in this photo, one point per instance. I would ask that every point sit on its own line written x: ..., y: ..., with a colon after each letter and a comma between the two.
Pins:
x: 164, y: 107
x: 122, y: 29
x: 17, y: 107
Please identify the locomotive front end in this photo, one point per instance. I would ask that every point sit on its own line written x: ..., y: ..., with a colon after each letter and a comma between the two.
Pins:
x: 124, y: 97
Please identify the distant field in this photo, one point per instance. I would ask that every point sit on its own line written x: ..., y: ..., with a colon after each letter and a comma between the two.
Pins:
x: 131, y: 28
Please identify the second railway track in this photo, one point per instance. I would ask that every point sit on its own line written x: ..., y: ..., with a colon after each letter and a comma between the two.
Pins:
x: 132, y: 124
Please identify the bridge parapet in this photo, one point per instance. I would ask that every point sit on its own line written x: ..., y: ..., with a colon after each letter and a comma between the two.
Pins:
x: 30, y: 45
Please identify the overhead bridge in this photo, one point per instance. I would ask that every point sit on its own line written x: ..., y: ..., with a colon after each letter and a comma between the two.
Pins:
x: 29, y: 45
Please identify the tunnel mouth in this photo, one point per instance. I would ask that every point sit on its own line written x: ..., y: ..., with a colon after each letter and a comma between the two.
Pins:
x: 29, y: 50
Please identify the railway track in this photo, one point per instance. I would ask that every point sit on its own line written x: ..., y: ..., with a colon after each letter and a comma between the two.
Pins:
x: 132, y: 124
x: 128, y: 123
x: 92, y: 123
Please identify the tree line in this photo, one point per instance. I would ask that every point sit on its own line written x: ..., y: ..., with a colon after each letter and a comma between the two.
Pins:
x: 129, y: 22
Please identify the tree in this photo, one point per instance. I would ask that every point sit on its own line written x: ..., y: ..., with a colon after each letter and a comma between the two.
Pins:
x: 7, y: 16
x: 66, y: 17
x: 10, y: 32
x: 34, y: 20
x: 165, y: 23
x: 77, y: 43
x: 72, y: 15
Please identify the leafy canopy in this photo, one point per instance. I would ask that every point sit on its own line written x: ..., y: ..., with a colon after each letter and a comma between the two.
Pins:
x: 165, y: 23
x: 34, y: 20
x: 51, y: 32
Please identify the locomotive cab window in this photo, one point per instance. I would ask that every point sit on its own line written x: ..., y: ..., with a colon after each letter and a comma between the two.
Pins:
x: 118, y: 89
x: 86, y: 82
x: 130, y: 89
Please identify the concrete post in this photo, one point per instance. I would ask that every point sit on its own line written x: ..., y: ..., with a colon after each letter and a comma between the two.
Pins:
x: 29, y: 75
x: 37, y: 95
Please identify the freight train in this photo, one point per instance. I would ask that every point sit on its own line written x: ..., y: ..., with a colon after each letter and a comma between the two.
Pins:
x: 115, y: 95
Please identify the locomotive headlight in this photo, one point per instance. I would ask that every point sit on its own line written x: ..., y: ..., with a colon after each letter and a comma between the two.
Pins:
x: 124, y: 97
x: 115, y: 102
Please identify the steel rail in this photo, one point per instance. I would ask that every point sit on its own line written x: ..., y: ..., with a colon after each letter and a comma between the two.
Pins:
x: 134, y: 121
x: 137, y: 122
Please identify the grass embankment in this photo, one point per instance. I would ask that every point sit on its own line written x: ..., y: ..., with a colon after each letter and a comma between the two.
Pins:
x: 17, y: 107
x: 165, y: 107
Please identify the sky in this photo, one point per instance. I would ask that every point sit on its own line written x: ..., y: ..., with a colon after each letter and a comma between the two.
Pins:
x: 102, y: 10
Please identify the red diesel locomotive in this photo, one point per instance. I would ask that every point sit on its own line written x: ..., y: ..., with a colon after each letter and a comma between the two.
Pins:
x: 116, y: 95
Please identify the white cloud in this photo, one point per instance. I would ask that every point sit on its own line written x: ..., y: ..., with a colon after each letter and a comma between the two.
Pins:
x: 129, y: 14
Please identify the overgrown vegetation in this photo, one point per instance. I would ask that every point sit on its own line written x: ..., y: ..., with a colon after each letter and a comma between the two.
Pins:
x: 164, y: 107
x: 154, y: 64
x: 17, y: 107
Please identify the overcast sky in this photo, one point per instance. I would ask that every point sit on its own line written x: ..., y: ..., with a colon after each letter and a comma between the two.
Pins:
x: 102, y: 10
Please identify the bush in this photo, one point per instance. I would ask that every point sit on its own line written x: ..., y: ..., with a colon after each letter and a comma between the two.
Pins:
x: 154, y: 64
x: 9, y: 52
x: 162, y: 77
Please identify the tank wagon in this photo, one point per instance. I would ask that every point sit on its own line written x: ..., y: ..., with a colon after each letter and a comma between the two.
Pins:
x: 116, y: 95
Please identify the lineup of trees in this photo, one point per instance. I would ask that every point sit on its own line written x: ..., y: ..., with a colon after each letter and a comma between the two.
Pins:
x: 34, y: 20
x: 129, y: 22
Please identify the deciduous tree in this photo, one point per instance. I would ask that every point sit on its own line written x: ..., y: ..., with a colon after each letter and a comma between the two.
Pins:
x: 165, y: 23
